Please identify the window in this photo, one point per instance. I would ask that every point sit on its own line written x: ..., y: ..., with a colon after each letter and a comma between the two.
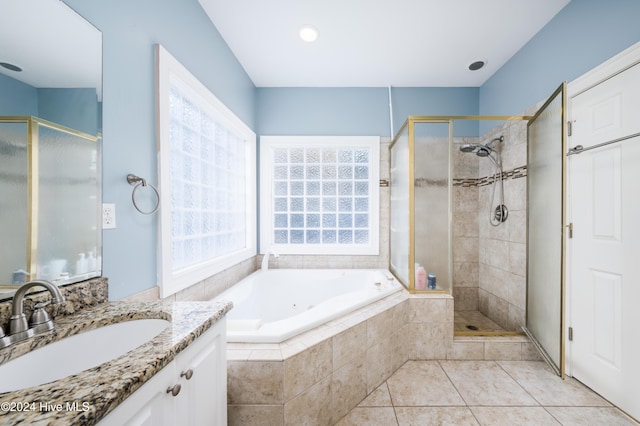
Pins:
x: 319, y: 195
x: 207, y: 181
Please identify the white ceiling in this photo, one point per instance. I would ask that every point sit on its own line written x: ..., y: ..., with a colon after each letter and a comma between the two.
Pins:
x: 54, y: 46
x: 377, y: 43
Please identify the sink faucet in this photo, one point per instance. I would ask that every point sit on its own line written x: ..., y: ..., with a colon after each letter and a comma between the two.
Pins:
x: 265, y: 259
x: 40, y: 321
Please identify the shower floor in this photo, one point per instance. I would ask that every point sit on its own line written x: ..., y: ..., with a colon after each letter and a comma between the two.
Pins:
x: 473, y: 321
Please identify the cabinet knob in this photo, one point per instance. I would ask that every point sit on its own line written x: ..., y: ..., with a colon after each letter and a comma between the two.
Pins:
x: 174, y: 390
x: 187, y: 374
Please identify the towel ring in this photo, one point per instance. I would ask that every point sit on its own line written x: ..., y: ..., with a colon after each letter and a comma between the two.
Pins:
x: 137, y: 181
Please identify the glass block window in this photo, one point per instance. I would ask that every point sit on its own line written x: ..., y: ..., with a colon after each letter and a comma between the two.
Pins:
x: 319, y: 194
x: 208, y: 184
x: 207, y: 181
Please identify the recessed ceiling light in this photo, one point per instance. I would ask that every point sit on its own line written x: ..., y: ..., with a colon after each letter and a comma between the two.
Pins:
x: 308, y: 33
x: 11, y: 67
x: 477, y: 65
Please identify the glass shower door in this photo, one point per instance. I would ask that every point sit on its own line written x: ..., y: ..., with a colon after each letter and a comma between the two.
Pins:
x: 546, y: 182
x: 399, y: 234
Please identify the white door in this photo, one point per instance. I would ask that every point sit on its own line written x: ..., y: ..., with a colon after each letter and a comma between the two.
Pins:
x: 604, y: 253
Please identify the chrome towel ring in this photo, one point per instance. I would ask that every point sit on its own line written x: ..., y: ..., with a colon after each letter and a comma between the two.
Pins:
x: 137, y: 181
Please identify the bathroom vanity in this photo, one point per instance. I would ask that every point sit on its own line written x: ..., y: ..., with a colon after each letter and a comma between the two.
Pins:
x: 176, y: 377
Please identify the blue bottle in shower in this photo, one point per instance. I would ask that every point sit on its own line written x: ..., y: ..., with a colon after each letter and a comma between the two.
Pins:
x: 431, y: 281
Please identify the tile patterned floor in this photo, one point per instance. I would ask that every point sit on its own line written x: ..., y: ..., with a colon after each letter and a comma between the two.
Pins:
x: 496, y: 393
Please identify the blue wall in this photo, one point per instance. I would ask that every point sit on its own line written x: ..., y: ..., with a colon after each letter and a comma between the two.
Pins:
x: 74, y: 108
x: 581, y: 36
x: 130, y: 29
x: 358, y: 111
x: 17, y: 98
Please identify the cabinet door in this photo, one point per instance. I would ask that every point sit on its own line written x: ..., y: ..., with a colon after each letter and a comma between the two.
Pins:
x: 150, y: 405
x: 203, y: 400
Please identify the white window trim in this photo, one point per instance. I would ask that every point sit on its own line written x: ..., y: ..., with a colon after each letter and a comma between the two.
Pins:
x: 170, y: 281
x: 267, y: 143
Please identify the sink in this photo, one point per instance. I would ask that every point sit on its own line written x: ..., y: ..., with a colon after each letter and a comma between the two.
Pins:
x: 77, y: 353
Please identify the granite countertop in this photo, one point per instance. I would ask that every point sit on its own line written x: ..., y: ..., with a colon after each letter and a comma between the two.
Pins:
x: 99, y: 390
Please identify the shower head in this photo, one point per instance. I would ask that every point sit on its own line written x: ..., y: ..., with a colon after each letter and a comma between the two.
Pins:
x: 470, y: 147
x: 484, y: 151
x: 494, y: 140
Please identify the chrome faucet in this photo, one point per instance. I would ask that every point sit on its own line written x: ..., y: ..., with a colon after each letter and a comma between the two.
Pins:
x: 19, y: 329
x: 265, y: 259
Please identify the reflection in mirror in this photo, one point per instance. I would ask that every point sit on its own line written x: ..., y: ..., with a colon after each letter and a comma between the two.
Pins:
x: 50, y: 134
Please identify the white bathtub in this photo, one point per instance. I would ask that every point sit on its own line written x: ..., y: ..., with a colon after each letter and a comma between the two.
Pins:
x: 272, y: 306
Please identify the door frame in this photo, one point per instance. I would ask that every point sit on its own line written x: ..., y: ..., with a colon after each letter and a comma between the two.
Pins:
x: 608, y: 69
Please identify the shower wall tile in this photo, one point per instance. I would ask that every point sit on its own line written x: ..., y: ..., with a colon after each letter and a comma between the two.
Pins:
x: 495, y: 253
x: 495, y: 308
x: 498, y: 281
x: 518, y: 226
x: 515, y: 194
x: 517, y: 291
x: 517, y: 317
x: 465, y: 249
x: 502, y: 249
x: 514, y: 152
x: 465, y: 199
x: 518, y: 258
x: 465, y: 274
x: 465, y: 165
x: 465, y: 298
x: 465, y: 224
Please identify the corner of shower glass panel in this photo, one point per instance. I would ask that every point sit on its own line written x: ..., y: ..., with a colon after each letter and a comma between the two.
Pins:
x: 420, y: 205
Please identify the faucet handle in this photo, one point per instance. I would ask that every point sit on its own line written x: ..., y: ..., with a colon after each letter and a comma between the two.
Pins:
x: 39, y: 316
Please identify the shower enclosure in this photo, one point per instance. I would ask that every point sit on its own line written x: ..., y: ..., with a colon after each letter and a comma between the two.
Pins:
x: 449, y: 219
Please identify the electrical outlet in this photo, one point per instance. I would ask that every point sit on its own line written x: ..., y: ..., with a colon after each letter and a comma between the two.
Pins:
x: 108, y: 216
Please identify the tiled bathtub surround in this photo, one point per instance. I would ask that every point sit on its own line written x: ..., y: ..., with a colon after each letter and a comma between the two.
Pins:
x: 319, y: 376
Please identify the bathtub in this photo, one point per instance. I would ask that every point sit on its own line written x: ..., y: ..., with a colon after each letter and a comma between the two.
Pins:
x: 275, y: 305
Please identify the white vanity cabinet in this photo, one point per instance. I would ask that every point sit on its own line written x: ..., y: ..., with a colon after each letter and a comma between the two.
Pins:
x: 200, y: 371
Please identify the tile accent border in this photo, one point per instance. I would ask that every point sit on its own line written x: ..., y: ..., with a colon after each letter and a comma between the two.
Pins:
x: 516, y: 173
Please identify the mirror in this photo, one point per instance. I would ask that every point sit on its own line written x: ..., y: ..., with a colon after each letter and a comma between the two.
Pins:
x: 50, y: 136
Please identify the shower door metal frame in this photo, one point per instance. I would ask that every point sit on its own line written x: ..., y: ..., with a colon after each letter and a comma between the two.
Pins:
x: 560, y: 92
x: 409, y: 125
